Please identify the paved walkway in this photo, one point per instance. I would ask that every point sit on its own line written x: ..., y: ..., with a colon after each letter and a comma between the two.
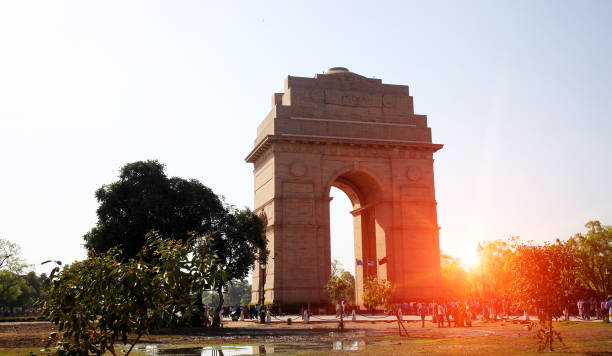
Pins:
x: 382, y: 317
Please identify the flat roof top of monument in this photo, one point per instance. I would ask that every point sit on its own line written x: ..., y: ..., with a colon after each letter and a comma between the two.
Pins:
x: 342, y: 78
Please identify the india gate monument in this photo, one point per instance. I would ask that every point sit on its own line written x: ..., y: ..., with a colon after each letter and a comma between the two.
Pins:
x: 343, y: 130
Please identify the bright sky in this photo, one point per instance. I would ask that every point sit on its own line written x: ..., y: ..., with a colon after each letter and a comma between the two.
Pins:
x: 519, y: 92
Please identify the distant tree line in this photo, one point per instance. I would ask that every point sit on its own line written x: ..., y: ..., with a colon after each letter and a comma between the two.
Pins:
x: 19, y: 289
x: 588, y: 266
x: 237, y: 293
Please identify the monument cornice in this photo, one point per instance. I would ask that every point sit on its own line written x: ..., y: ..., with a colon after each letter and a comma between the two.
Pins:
x: 350, y: 141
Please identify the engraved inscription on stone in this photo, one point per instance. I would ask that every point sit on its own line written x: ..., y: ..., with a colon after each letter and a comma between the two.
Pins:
x: 346, y: 98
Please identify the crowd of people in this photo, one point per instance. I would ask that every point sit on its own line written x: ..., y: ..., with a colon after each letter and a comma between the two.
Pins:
x: 463, y: 313
x: 443, y: 313
x: 591, y: 307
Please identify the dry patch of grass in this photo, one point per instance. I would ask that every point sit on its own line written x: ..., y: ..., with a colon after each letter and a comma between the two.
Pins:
x: 380, y: 338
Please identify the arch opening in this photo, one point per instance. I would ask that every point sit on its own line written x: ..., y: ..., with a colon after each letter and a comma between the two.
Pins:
x: 364, y: 194
x: 341, y: 230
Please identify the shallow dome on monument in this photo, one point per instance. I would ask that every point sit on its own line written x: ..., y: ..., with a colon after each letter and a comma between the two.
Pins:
x: 360, y: 135
x: 333, y: 70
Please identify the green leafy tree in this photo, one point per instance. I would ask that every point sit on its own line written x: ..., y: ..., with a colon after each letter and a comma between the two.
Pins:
x: 594, y: 253
x: 341, y: 284
x: 12, y: 266
x: 377, y: 292
x: 30, y: 290
x: 100, y: 301
x: 341, y: 287
x: 11, y: 289
x: 145, y: 199
x: 210, y: 298
x: 540, y: 277
x: 236, y: 293
x: 10, y: 257
x: 237, y: 244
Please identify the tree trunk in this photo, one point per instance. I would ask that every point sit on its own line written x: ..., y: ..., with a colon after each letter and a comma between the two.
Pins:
x: 550, y: 332
x: 216, y: 317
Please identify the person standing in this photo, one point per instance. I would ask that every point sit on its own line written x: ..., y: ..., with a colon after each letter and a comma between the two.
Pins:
x: 422, y: 312
x: 306, y: 316
x: 440, y: 316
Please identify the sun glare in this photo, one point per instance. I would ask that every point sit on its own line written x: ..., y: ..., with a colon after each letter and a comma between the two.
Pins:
x: 469, y: 258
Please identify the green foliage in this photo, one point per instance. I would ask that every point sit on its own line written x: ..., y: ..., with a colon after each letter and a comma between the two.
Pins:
x: 10, y: 259
x: 210, y: 298
x: 594, y: 253
x: 16, y: 289
x: 12, y: 287
x: 235, y: 293
x: 341, y: 284
x: 237, y: 244
x: 145, y: 199
x: 377, y: 292
x: 100, y: 301
x: 238, y: 293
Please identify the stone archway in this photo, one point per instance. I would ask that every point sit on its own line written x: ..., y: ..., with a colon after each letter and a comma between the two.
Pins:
x: 366, y: 196
x: 362, y: 136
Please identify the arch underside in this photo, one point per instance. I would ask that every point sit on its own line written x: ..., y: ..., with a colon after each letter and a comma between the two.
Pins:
x: 364, y: 194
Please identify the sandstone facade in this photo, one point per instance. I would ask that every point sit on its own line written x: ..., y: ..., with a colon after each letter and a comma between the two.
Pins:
x: 357, y: 134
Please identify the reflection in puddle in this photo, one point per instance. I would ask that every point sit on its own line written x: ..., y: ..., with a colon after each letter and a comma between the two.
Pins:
x: 348, y: 345
x: 234, y: 350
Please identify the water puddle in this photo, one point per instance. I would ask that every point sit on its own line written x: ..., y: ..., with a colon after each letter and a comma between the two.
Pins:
x: 233, y: 350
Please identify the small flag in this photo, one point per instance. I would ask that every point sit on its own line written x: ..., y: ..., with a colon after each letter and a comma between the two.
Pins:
x: 358, y: 262
x: 371, y: 263
x: 382, y: 261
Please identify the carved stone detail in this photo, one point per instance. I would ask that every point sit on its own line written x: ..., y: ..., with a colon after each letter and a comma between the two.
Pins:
x: 414, y: 173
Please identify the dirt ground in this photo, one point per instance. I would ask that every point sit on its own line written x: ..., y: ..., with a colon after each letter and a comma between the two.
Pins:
x: 579, y: 337
x: 25, y: 334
